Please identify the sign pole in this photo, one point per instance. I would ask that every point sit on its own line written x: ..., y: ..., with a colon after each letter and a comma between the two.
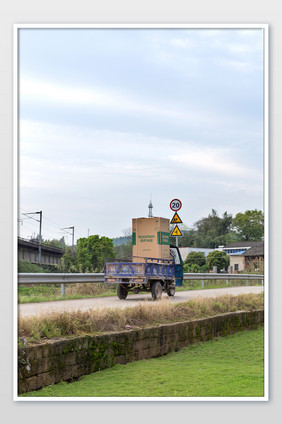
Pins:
x: 175, y: 205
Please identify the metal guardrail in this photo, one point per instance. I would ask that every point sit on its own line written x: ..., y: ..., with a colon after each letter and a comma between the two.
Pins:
x: 57, y: 278
x: 74, y: 278
x: 227, y: 277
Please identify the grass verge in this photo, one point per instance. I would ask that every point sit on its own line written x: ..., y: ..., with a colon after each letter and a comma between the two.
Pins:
x: 95, y: 321
x: 49, y: 293
x: 230, y: 366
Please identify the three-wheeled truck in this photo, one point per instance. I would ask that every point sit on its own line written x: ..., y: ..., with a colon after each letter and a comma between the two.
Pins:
x: 155, y: 275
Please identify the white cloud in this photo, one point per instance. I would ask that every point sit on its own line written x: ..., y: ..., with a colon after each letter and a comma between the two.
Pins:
x: 40, y: 91
x: 112, y: 100
x: 213, y: 161
x: 76, y: 156
x: 243, y: 66
x: 181, y: 42
x: 210, y: 33
x: 241, y: 48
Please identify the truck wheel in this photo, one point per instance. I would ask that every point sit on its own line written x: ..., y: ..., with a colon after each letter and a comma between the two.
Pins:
x: 121, y: 292
x: 171, y: 291
x: 157, y: 290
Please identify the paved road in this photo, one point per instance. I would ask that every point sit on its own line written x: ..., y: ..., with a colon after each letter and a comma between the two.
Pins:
x: 29, y: 309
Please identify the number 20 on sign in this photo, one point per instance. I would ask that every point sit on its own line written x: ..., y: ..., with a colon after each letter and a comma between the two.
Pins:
x: 175, y: 205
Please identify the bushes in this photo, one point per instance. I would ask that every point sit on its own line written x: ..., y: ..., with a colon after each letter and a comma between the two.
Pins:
x: 195, y: 262
x: 25, y: 266
x: 196, y: 258
x: 219, y: 259
x: 88, y: 256
x: 195, y: 268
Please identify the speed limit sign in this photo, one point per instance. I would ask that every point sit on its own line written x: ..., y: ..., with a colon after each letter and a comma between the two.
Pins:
x: 175, y: 205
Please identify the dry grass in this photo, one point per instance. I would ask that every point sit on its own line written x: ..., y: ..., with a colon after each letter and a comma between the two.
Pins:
x: 86, y: 289
x: 97, y: 321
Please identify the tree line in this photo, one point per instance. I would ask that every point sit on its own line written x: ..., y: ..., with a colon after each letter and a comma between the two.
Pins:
x: 210, y: 232
x: 213, y: 230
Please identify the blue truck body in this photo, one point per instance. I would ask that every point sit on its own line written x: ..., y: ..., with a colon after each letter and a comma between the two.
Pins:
x: 150, y: 274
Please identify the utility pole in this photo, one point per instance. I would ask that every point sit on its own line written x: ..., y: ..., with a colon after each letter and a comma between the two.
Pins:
x: 40, y: 238
x: 40, y: 232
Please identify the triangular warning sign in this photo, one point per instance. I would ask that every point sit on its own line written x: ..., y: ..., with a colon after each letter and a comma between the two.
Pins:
x: 176, y: 219
x: 176, y: 232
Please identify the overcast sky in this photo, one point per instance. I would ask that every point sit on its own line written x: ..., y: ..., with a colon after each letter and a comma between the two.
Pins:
x: 110, y: 117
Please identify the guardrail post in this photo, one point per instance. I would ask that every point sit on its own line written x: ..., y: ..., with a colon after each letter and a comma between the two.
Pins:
x: 203, y: 283
x: 262, y: 282
x: 247, y: 282
x: 227, y: 282
x: 62, y: 289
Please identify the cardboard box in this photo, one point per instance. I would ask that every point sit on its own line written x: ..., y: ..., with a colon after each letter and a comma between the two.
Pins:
x: 150, y: 238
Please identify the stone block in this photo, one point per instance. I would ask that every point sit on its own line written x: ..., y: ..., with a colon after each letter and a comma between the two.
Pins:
x: 67, y: 374
x: 120, y: 360
x: 22, y: 385
x: 32, y: 383
x: 77, y: 371
x: 69, y: 359
x: 47, y: 378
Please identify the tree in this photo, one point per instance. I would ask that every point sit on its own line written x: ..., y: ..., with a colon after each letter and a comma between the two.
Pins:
x: 53, y: 242
x: 92, y: 251
x: 69, y: 261
x: 219, y: 259
x: 195, y: 258
x: 213, y: 230
x: 188, y: 238
x: 123, y: 251
x: 56, y: 243
x: 249, y: 225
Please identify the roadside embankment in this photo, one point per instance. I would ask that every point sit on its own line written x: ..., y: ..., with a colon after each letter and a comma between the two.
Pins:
x: 53, y: 361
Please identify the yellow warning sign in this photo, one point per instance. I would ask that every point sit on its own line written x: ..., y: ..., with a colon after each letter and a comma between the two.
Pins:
x: 176, y: 232
x: 176, y: 219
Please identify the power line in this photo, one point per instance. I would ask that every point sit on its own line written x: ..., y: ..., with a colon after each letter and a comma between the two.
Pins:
x: 47, y: 229
x: 56, y: 225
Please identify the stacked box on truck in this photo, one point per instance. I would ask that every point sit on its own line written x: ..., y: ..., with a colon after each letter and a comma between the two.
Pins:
x: 150, y: 238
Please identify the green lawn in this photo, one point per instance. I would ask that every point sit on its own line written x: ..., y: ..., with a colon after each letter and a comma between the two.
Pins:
x: 224, y: 367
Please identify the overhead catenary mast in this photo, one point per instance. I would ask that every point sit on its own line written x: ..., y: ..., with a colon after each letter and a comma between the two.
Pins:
x: 40, y: 231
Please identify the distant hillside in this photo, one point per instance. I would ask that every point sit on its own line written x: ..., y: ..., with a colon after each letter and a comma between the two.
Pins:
x: 121, y: 240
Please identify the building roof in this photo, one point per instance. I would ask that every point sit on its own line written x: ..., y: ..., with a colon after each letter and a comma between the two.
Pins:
x: 256, y: 250
x: 252, y: 248
x: 246, y: 244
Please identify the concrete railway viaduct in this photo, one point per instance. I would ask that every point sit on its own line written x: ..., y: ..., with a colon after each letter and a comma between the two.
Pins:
x: 29, y: 250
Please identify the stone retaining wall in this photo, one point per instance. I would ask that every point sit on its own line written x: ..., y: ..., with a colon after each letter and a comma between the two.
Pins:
x: 62, y: 360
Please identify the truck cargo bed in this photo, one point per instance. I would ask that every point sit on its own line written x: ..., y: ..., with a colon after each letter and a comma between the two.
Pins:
x: 133, y: 272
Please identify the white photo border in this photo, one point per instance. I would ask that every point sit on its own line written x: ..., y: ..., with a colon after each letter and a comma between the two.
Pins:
x: 16, y: 29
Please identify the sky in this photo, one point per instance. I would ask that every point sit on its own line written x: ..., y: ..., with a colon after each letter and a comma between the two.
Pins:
x: 109, y: 118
